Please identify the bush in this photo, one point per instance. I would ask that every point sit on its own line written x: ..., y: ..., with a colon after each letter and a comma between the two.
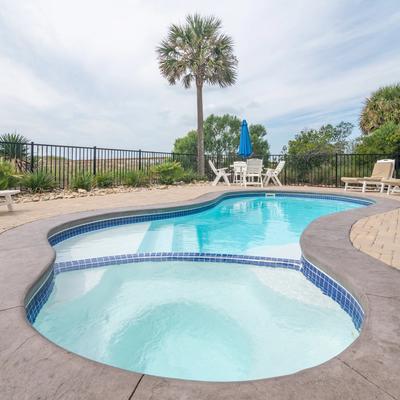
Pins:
x: 83, y: 181
x: 168, y: 173
x: 37, y: 181
x: 190, y: 176
x: 137, y: 179
x: 8, y: 178
x: 104, y: 180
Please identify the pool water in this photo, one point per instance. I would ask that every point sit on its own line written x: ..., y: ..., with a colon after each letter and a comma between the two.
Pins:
x: 191, y: 320
x: 200, y: 320
x: 254, y: 225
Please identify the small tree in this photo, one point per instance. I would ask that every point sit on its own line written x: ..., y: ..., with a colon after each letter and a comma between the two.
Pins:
x: 384, y: 140
x: 383, y: 106
x: 222, y: 136
x: 197, y: 52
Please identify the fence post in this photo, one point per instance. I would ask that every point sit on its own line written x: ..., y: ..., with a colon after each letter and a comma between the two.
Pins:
x: 94, y: 160
x: 140, y: 159
x: 336, y: 170
x: 32, y: 161
x: 397, y: 165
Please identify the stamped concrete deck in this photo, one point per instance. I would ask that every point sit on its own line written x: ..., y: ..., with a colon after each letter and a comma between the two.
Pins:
x: 379, y: 237
x: 34, y: 368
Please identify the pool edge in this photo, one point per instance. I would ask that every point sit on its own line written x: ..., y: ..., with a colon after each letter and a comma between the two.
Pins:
x: 347, y: 365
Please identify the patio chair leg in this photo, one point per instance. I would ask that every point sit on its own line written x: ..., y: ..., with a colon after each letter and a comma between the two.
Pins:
x: 364, y: 187
x: 226, y: 180
x: 345, y: 186
x: 216, y: 180
x: 388, y: 190
x: 382, y: 188
x: 278, y: 182
x: 9, y: 202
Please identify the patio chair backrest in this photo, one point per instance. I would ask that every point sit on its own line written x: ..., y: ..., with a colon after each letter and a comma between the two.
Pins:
x: 213, y: 167
x: 254, y: 166
x: 279, y: 167
x: 239, y: 166
x: 383, y: 169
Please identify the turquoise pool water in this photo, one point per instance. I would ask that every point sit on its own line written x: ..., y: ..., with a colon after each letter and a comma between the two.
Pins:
x: 201, y: 321
x: 258, y: 225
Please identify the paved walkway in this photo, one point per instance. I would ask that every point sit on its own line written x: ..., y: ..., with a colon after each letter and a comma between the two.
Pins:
x: 378, y: 236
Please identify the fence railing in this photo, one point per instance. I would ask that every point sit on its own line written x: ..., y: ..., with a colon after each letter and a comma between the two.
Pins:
x: 64, y: 163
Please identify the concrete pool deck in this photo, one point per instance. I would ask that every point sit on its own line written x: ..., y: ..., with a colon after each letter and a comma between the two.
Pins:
x: 34, y: 368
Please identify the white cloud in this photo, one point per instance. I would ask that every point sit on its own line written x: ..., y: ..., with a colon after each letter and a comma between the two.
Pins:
x: 86, y: 72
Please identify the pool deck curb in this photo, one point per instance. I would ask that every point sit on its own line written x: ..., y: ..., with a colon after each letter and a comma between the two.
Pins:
x: 34, y: 368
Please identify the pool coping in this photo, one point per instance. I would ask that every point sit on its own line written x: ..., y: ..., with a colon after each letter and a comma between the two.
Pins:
x: 33, y: 367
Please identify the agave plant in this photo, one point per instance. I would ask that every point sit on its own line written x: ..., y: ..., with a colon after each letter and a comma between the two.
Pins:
x: 197, y: 52
x: 13, y: 146
x: 382, y: 107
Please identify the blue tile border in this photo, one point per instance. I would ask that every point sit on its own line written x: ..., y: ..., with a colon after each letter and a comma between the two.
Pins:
x: 38, y: 300
x: 111, y: 222
x: 167, y: 256
x: 325, y: 283
x: 335, y: 291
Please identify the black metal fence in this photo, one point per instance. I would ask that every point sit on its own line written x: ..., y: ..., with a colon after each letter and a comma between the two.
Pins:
x: 64, y: 163
x: 318, y: 169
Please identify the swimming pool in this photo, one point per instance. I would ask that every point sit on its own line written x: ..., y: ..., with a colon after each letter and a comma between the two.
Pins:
x: 253, y: 225
x: 203, y: 299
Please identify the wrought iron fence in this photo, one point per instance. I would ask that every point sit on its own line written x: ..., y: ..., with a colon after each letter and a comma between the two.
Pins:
x: 315, y: 169
x: 64, y: 163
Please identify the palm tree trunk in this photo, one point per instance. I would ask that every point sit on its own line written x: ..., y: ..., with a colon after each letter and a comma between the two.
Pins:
x: 200, y: 130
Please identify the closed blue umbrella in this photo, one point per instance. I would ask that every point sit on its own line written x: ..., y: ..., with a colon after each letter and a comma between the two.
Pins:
x: 245, y: 148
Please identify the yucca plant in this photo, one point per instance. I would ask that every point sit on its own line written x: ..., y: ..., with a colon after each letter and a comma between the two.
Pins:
x: 13, y: 146
x: 8, y: 176
x: 38, y: 181
x: 382, y: 107
x: 137, y: 179
x: 84, y: 180
x: 168, y: 172
x: 104, y: 180
x: 198, y: 52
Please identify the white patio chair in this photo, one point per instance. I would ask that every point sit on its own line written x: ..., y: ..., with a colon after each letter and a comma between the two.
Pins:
x: 219, y: 173
x: 239, y: 168
x: 383, y: 169
x: 7, y: 195
x: 253, y: 173
x: 272, y: 174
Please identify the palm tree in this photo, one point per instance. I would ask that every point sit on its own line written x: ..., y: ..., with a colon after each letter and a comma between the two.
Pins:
x: 383, y: 106
x: 198, y: 52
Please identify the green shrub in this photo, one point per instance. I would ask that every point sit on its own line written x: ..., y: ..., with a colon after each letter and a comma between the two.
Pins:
x: 168, y: 173
x: 38, y: 181
x: 84, y: 180
x: 8, y: 177
x: 104, y: 180
x: 137, y: 179
x: 190, y: 176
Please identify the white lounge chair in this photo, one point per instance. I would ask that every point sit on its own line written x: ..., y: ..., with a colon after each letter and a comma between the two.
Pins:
x: 239, y: 168
x: 253, y: 173
x: 383, y: 169
x: 7, y: 194
x: 392, y: 184
x: 272, y: 174
x: 219, y: 173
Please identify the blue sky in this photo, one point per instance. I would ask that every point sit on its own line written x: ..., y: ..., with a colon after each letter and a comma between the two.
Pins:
x: 85, y: 72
